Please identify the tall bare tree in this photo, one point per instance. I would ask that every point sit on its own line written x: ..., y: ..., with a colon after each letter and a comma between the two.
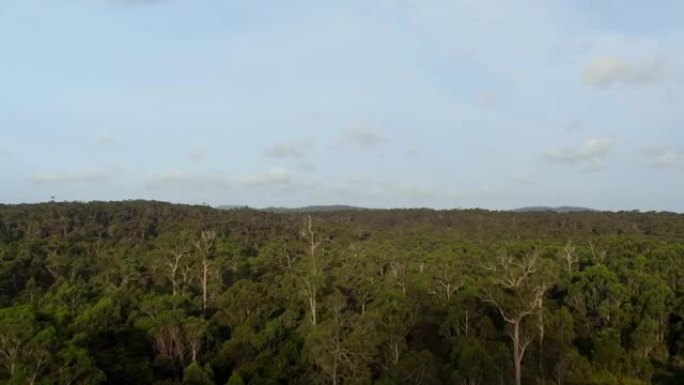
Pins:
x: 569, y: 255
x: 447, y: 273
x: 175, y: 266
x: 194, y: 329
x: 516, y: 291
x: 205, y: 247
x: 312, y: 277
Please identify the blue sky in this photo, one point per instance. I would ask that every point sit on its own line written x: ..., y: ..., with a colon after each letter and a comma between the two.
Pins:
x: 386, y: 103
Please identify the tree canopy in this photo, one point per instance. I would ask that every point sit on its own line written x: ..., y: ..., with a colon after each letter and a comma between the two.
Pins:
x: 143, y: 292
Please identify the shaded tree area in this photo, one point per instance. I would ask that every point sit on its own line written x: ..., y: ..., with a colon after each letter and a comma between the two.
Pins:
x: 142, y: 292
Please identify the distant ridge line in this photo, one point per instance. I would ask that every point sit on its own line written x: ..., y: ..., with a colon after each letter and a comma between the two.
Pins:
x: 340, y: 208
x: 305, y: 209
x: 559, y: 209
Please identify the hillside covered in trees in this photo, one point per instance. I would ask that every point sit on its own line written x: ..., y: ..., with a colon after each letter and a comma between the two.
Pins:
x: 153, y: 293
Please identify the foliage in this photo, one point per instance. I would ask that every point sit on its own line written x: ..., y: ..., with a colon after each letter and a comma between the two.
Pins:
x: 144, y: 292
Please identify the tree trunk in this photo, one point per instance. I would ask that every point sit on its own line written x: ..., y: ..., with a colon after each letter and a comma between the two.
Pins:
x: 205, y: 276
x: 174, y: 284
x: 312, y: 303
x: 334, y: 373
x: 312, y: 289
x: 517, y: 356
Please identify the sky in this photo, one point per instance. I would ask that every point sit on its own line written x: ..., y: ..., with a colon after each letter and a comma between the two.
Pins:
x: 384, y: 103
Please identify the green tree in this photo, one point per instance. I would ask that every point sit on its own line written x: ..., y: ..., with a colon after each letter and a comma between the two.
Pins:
x: 195, y: 374
x: 235, y: 379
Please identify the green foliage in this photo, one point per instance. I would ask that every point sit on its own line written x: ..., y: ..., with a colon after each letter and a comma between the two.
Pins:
x: 194, y: 374
x: 473, y: 363
x: 235, y: 379
x: 607, y: 353
x: 152, y: 293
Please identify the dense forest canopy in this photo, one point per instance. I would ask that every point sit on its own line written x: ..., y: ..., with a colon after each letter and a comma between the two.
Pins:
x: 142, y: 292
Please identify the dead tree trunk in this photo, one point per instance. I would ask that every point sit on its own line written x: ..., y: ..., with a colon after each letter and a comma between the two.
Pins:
x: 311, y: 284
x: 517, y: 293
x: 205, y: 247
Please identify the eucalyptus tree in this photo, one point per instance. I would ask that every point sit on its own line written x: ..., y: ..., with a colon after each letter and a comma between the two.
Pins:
x: 313, y: 277
x: 24, y: 345
x: 341, y: 347
x: 516, y: 291
x: 205, y: 247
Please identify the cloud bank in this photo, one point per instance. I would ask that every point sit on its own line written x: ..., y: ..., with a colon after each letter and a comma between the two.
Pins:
x: 362, y: 137
x: 293, y: 150
x: 606, y: 71
x: 197, y: 154
x: 276, y: 176
x: 592, y: 153
x: 185, y: 180
x: 88, y: 176
x: 665, y: 158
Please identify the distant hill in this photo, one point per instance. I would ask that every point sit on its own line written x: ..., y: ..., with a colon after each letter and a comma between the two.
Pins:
x: 340, y: 208
x: 560, y: 209
x: 232, y: 207
x: 312, y: 209
x: 296, y: 210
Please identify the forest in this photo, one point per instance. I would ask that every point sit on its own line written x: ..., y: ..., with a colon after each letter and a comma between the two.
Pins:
x: 146, y: 292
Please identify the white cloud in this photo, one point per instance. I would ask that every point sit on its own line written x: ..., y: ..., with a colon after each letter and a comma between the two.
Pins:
x: 276, y: 176
x: 413, y: 153
x: 411, y: 191
x: 665, y: 158
x: 305, y: 166
x: 294, y: 150
x: 368, y: 187
x: 573, y: 126
x: 95, y: 175
x: 524, y: 179
x: 591, y: 154
x: 104, y: 139
x: 196, y: 154
x: 182, y: 179
x: 489, y: 99
x: 362, y: 137
x: 608, y: 70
